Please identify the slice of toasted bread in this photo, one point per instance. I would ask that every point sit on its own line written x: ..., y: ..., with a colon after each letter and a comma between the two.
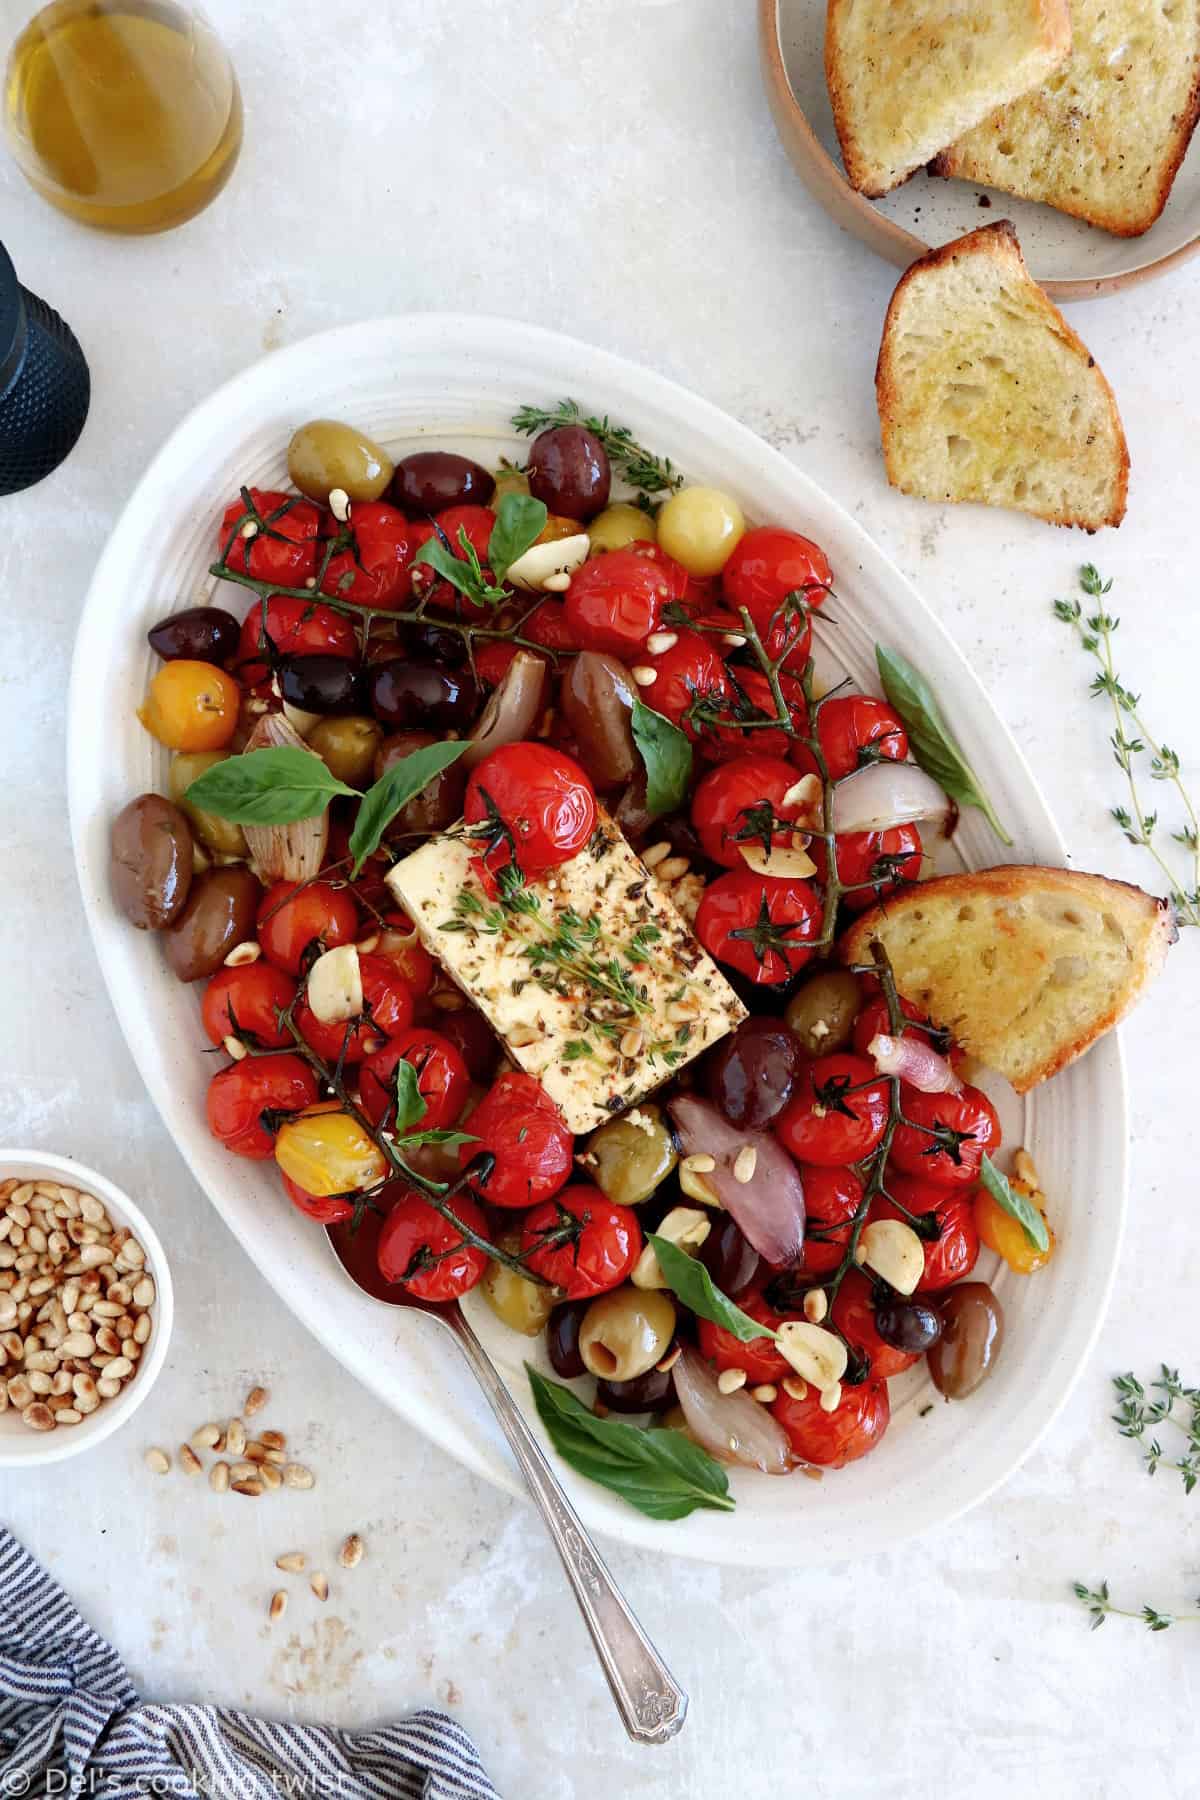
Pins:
x: 1104, y: 136
x: 908, y: 77
x: 985, y: 393
x: 1026, y: 966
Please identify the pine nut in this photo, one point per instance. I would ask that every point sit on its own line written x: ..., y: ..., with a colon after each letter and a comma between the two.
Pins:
x: 256, y: 1399
x: 659, y: 642
x: 734, y: 639
x: 241, y: 954
x: 632, y: 1042
x: 20, y: 1215
x: 87, y: 1403
x: 189, y: 1462
x: 745, y: 1163
x: 765, y: 1392
x: 295, y: 1475
x: 319, y: 1583
x: 107, y: 1388
x: 38, y: 1416
x: 351, y: 1552
x: 655, y: 854
x: 270, y: 1477
x: 118, y: 1369
x: 251, y: 1487
x: 699, y: 1164
x: 272, y: 1440
x: 83, y: 1386
x: 142, y: 1329
x: 234, y: 1048
x: 8, y: 1310
x: 831, y: 1398
x: 69, y: 1415
x: 292, y: 1562
x: 256, y: 1452
x: 39, y: 1381
x: 558, y: 583
x: 244, y: 1471
x: 730, y: 1380
x: 218, y: 1478
x: 157, y: 1461
x: 794, y: 1387
x: 273, y: 1459
x: 816, y: 1305
x: 106, y: 1341
x: 235, y: 1437
x: 205, y: 1437
x: 643, y: 675
x: 278, y: 1605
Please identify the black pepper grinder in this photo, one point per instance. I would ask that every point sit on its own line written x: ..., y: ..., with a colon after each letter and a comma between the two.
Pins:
x: 45, y: 386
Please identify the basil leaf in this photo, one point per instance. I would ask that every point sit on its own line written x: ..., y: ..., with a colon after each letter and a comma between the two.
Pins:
x: 1015, y: 1205
x: 381, y: 803
x: 267, y: 787
x: 664, y: 1474
x: 451, y: 568
x: 519, y: 522
x: 449, y: 1140
x: 690, y: 1281
x: 929, y: 737
x: 410, y: 1102
x: 667, y: 756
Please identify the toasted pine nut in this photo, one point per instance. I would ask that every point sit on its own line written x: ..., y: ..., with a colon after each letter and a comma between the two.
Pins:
x: 278, y: 1605
x: 816, y: 1305
x: 351, y: 1552
x: 660, y: 641
x: 247, y: 952
x: 293, y: 1562
x: 218, y: 1478
x: 189, y: 1462
x: 319, y: 1583
x: 206, y: 1437
x: 252, y: 1487
x: 766, y: 1391
x: 157, y: 1461
x: 655, y: 854
x: 295, y: 1475
x: 794, y: 1387
x: 644, y: 675
x: 700, y: 1164
x: 745, y: 1163
x: 730, y: 1380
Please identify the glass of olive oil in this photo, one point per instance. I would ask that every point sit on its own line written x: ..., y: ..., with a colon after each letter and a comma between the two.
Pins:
x: 125, y: 114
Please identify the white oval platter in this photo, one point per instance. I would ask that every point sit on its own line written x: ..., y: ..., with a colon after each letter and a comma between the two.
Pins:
x: 451, y: 382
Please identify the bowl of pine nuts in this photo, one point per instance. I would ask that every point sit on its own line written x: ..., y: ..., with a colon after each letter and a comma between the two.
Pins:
x: 85, y: 1307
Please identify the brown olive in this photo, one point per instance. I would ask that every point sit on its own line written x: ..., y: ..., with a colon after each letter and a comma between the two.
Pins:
x: 219, y: 835
x: 429, y: 481
x: 632, y: 1156
x: 972, y: 1335
x: 347, y: 747
x: 597, y: 696
x: 151, y: 861
x: 220, y: 913
x: 199, y: 633
x: 822, y: 1012
x: 325, y: 454
x: 568, y: 469
x: 439, y: 802
x: 624, y: 1333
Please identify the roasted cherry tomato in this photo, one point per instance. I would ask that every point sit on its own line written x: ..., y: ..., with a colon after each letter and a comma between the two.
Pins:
x: 604, y: 1241
x: 442, y: 1079
x: 689, y: 679
x: 854, y: 730
x: 493, y: 661
x: 832, y: 1196
x: 831, y: 1440
x: 826, y: 1122
x: 426, y: 1254
x: 954, y: 1252
x: 521, y: 1126
x: 767, y: 565
x: 548, y: 624
x: 246, y: 1002
x: 742, y: 729
x: 744, y: 802
x: 191, y: 706
x: 374, y: 569
x: 945, y: 1136
x: 297, y: 921
x: 284, y: 549
x: 872, y: 863
x: 759, y: 1357
x: 534, y: 806
x: 873, y: 1020
x: 326, y: 1209
x: 614, y: 602
x: 293, y: 628
x: 387, y: 1010
x: 239, y: 1097
x: 326, y: 1151
x: 400, y: 945
x: 476, y: 522
x: 853, y: 1313
x: 759, y: 925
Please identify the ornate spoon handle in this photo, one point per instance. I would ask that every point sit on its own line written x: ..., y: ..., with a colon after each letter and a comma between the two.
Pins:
x: 651, y: 1703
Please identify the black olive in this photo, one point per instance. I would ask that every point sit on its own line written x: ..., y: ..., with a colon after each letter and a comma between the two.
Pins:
x: 429, y: 481
x: 320, y: 684
x: 408, y: 693
x: 909, y: 1325
x: 200, y: 633
x: 433, y: 643
x: 729, y: 1257
x: 652, y: 1392
x: 562, y: 1339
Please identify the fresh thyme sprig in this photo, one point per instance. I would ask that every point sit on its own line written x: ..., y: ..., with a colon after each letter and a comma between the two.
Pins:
x: 1101, y: 1607
x: 1136, y: 1414
x: 1132, y: 742
x: 649, y: 474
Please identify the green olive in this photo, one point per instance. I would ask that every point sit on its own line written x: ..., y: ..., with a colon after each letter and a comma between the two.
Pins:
x: 221, y: 836
x: 619, y: 525
x: 522, y: 1305
x: 822, y: 1013
x: 347, y: 746
x: 625, y: 1333
x: 326, y: 454
x: 632, y: 1156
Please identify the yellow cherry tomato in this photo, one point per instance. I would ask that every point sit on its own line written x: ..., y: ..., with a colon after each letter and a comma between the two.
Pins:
x: 510, y: 481
x: 325, y: 1152
x: 619, y: 525
x: 556, y: 528
x: 1006, y: 1235
x: 699, y: 527
x: 191, y: 706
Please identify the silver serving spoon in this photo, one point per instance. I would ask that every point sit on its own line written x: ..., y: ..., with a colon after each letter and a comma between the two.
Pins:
x: 650, y: 1701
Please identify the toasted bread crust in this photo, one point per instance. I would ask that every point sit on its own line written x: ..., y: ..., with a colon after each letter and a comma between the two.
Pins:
x: 1013, y: 881
x: 1000, y: 243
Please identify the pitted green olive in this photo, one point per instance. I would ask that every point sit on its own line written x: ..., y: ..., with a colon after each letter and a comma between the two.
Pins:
x: 221, y: 836
x: 632, y: 1156
x: 626, y: 1332
x: 823, y: 1011
x: 325, y: 454
x: 522, y: 1305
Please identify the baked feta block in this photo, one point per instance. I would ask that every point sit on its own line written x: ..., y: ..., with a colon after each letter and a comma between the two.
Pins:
x: 588, y: 974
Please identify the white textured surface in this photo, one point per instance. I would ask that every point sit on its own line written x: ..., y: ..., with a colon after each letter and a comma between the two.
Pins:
x: 611, y: 172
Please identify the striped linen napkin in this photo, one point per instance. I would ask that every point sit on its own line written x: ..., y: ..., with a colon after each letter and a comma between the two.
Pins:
x: 71, y: 1723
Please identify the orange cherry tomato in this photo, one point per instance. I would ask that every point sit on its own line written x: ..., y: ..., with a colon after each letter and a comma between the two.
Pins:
x: 191, y: 706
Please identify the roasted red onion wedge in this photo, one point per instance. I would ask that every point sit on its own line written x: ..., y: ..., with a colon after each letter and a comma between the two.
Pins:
x: 914, y: 1060
x: 765, y: 1196
x: 732, y: 1427
x: 886, y: 794
x: 513, y: 710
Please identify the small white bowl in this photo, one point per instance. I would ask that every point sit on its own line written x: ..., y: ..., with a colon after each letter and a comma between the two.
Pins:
x: 19, y: 1446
